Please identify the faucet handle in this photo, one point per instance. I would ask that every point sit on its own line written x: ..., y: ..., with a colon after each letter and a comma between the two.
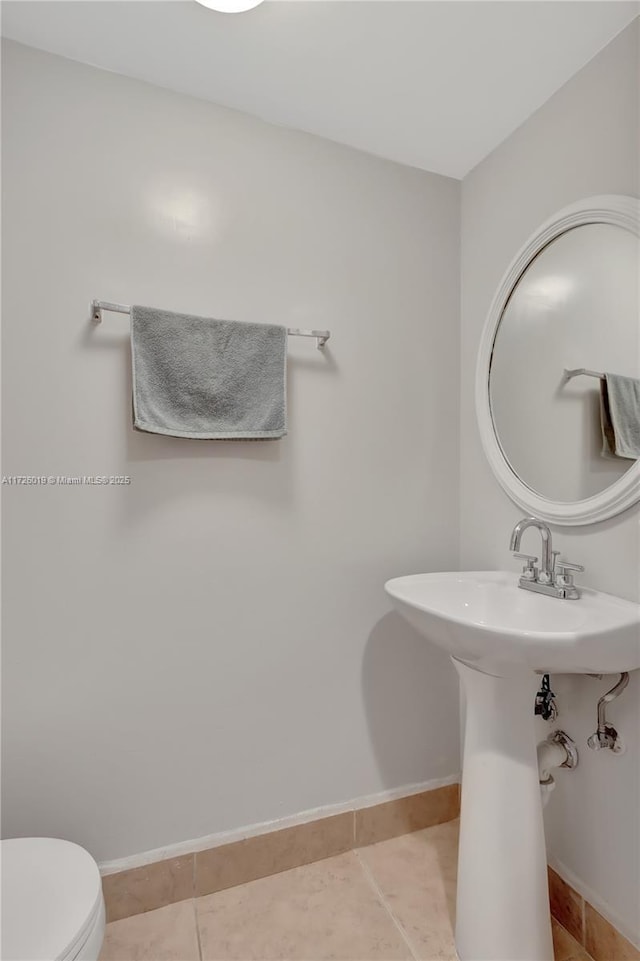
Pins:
x: 529, y: 571
x: 564, y: 577
x: 568, y: 566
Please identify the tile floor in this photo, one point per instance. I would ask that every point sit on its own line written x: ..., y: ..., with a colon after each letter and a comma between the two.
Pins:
x: 391, y: 901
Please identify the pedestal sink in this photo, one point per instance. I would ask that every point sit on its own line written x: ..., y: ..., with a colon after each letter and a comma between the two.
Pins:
x: 500, y: 639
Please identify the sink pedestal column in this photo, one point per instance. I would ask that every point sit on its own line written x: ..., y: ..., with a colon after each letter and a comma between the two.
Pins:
x: 502, y: 901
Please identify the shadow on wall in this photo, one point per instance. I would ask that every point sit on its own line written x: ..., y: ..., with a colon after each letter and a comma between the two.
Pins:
x: 421, y: 742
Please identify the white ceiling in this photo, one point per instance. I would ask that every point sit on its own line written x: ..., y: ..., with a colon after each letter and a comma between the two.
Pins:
x: 436, y: 84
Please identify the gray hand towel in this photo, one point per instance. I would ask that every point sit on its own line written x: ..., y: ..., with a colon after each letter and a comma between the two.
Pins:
x: 620, y: 416
x: 213, y: 379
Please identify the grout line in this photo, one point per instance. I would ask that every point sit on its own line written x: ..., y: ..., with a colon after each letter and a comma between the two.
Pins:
x: 366, y: 870
x: 195, y: 918
x: 195, y: 906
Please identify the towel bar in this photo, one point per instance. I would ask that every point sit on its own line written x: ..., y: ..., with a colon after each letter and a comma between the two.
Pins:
x: 97, y: 306
x: 580, y: 372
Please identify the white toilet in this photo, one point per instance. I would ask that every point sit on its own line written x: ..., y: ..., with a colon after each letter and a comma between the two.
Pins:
x: 52, y: 904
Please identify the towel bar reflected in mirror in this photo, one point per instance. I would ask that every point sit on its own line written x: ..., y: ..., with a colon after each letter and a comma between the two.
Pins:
x: 579, y: 372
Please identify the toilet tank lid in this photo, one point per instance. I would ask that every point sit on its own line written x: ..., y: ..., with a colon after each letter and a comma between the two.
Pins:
x: 51, y: 893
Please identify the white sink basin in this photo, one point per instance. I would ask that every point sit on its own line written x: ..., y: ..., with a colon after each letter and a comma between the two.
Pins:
x: 484, y: 619
x: 499, y: 636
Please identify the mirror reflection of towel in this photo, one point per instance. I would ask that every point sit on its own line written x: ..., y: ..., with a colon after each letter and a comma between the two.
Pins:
x: 620, y: 416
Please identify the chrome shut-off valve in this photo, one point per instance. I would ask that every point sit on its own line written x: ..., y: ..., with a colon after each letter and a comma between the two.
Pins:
x: 545, y: 703
x: 606, y: 737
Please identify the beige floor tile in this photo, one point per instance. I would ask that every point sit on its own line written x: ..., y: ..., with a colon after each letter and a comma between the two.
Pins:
x: 167, y: 934
x: 416, y: 874
x: 326, y: 910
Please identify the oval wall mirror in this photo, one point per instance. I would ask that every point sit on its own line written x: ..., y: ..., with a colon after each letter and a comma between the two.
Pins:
x: 566, y: 311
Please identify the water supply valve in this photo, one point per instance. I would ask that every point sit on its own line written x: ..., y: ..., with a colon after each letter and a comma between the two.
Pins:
x: 606, y: 737
x: 545, y: 705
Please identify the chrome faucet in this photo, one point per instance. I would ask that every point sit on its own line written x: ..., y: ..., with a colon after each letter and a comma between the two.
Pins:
x: 516, y: 536
x: 554, y: 577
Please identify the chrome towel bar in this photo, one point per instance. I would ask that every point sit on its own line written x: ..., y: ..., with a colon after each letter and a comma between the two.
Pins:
x: 97, y: 307
x: 580, y: 372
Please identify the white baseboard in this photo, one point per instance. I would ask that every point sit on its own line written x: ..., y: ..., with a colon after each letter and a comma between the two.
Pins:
x: 252, y: 830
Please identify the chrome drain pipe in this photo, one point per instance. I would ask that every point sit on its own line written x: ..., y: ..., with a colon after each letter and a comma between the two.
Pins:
x: 558, y: 750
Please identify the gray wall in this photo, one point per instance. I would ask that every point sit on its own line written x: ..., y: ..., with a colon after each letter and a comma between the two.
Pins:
x: 583, y: 141
x: 211, y: 647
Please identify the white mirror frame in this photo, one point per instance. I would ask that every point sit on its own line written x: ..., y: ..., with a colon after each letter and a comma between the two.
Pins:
x: 615, y: 209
